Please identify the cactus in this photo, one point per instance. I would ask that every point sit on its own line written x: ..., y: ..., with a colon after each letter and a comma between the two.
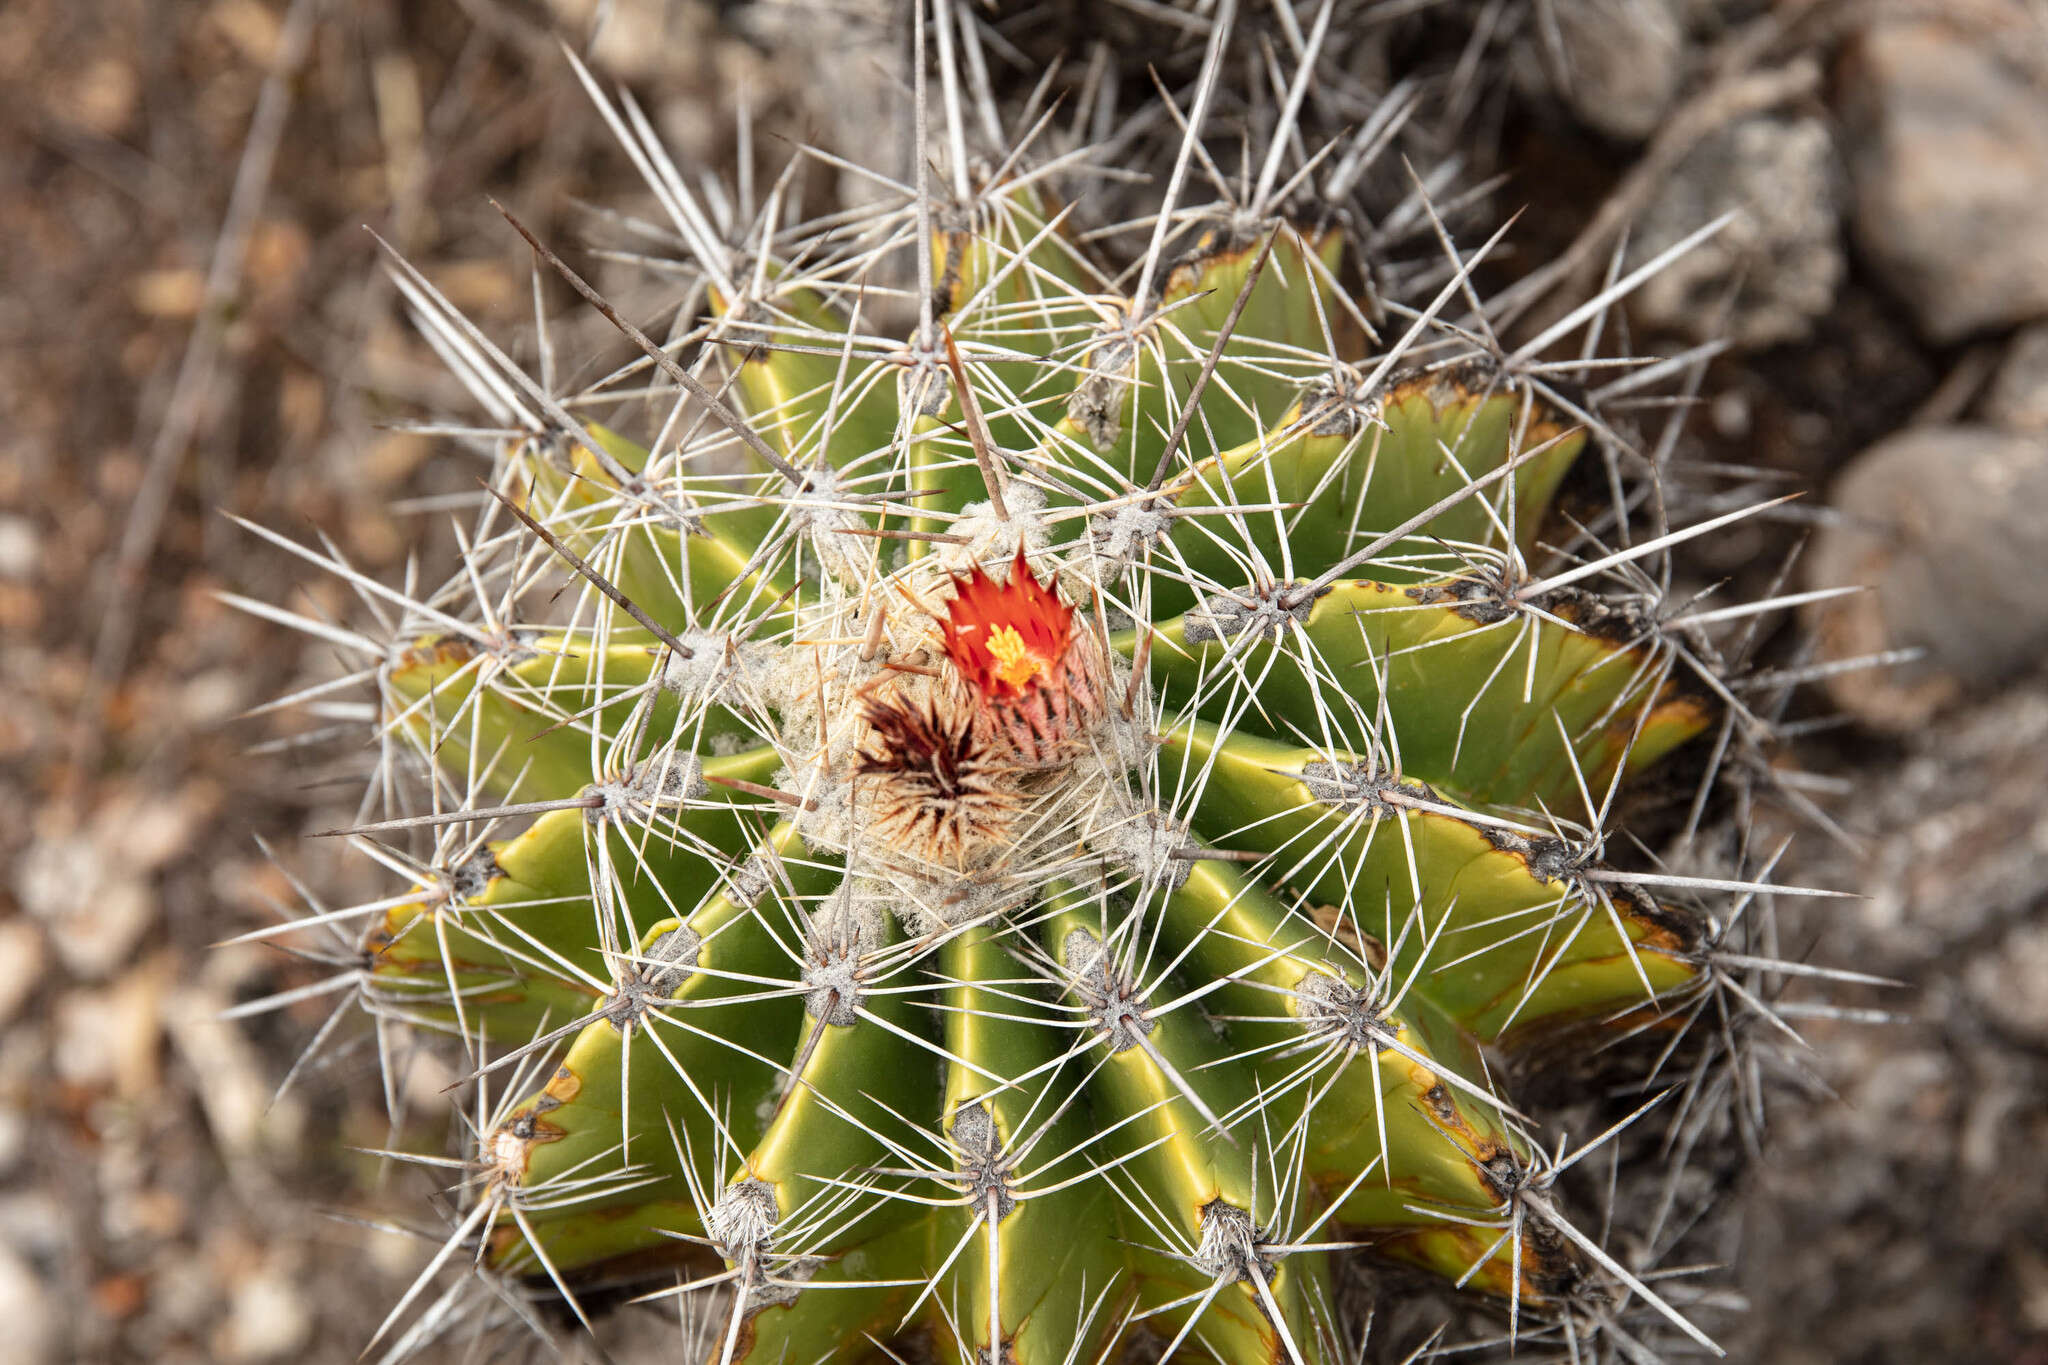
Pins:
x: 1070, y: 823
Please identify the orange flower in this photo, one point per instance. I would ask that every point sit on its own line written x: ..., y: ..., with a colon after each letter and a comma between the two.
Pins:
x: 1007, y: 638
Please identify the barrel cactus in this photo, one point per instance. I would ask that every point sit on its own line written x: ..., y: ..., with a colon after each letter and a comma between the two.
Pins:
x: 1061, y: 826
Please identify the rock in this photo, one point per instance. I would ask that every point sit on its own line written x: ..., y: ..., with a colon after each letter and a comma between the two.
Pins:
x: 268, y: 1319
x: 638, y: 40
x: 97, y: 932
x: 1783, y: 247
x: 2030, y: 1269
x: 1624, y: 61
x: 21, y: 965
x: 1952, y: 841
x: 35, y: 1223
x: 211, y: 698
x: 2018, y: 397
x: 1945, y: 130
x: 1949, y: 528
x: 13, y: 1138
x: 107, y: 1037
x: 25, y: 1306
x: 20, y: 547
x: 185, y: 1295
x: 94, y: 886
x: 2011, y: 984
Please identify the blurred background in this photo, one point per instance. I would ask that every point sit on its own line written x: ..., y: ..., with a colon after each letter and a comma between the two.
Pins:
x: 192, y: 322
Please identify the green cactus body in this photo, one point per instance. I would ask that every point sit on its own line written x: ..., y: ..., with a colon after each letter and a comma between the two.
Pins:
x: 1037, y: 879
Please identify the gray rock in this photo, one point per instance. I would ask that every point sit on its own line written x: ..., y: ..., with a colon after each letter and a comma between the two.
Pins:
x: 2011, y: 984
x: 1946, y: 133
x: 1623, y: 63
x: 1949, y: 527
x: 1783, y: 248
x: 2018, y: 397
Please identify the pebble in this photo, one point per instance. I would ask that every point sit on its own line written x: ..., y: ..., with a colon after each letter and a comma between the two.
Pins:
x: 1946, y: 136
x: 2011, y: 984
x: 1784, y: 245
x: 95, y: 936
x: 14, y: 1137
x: 1624, y: 61
x: 2030, y: 1271
x: 20, y: 547
x: 94, y: 886
x: 21, y: 965
x: 25, y: 1306
x: 267, y: 1319
x: 635, y: 40
x: 107, y: 1037
x: 2018, y: 397
x: 211, y: 698
x: 1949, y: 528
x: 35, y: 1223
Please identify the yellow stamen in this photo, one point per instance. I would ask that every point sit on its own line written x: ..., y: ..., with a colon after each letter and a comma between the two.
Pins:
x: 1015, y: 664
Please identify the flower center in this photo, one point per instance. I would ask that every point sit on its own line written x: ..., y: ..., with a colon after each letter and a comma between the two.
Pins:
x: 1015, y: 663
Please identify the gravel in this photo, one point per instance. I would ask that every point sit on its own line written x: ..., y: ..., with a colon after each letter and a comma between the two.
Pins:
x: 1902, y: 1222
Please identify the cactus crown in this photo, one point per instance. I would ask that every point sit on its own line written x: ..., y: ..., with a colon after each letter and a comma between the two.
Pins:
x: 1066, y: 824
